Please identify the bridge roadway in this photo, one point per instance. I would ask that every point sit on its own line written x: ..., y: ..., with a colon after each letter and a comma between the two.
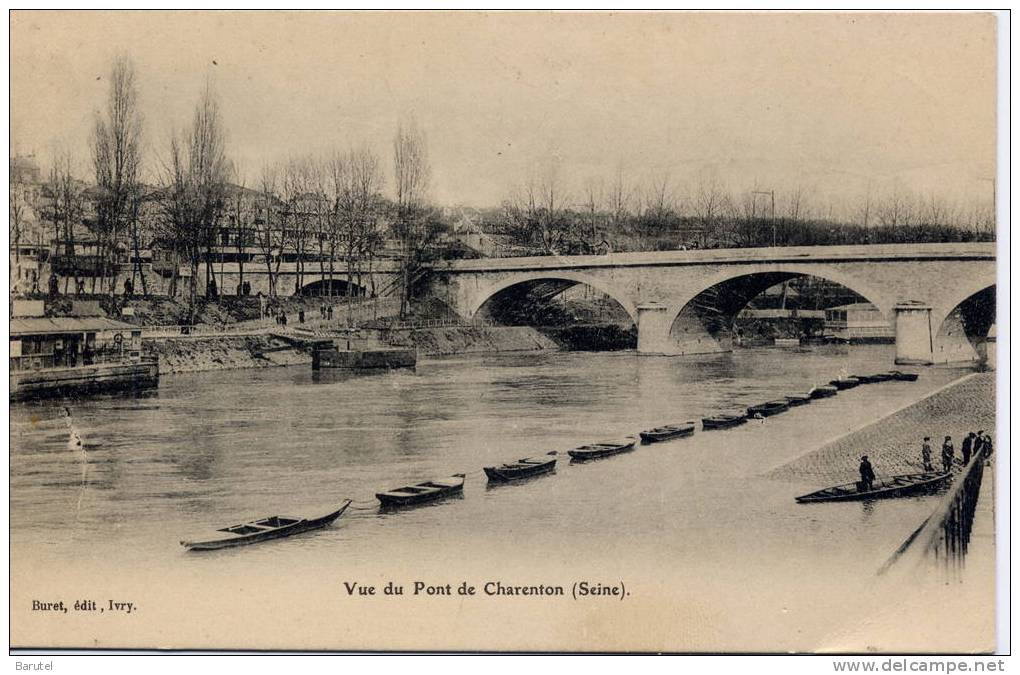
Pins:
x: 939, y: 297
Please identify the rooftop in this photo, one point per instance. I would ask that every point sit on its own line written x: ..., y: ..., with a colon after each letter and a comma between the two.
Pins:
x: 66, y: 324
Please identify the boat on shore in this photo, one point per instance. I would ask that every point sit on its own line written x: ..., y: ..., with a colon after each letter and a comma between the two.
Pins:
x: 768, y: 408
x: 722, y: 421
x: 901, y: 376
x: 604, y: 449
x: 880, y: 377
x: 798, y: 399
x: 823, y: 391
x: 883, y: 488
x: 264, y: 529
x: 428, y: 491
x: 522, y: 468
x: 845, y: 383
x: 664, y: 433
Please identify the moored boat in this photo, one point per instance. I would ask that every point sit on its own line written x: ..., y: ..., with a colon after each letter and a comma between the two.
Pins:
x: 264, y: 529
x: 604, y: 449
x: 845, y: 382
x: 798, y: 399
x: 722, y: 421
x: 768, y: 408
x: 883, y: 488
x: 880, y: 377
x: 863, y: 379
x: 422, y: 492
x: 667, y: 432
x: 824, y: 391
x: 902, y: 377
x: 522, y: 468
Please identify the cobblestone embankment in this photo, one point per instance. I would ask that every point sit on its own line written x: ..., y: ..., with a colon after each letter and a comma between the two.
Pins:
x: 893, y: 443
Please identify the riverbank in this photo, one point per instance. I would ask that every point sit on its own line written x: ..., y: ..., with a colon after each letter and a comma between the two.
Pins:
x: 470, y: 340
x: 193, y: 355
x: 893, y: 443
x: 238, y: 352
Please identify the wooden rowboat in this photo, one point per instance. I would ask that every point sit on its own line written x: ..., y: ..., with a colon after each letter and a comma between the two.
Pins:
x: 824, y: 391
x: 880, y: 377
x: 768, y: 408
x: 264, y: 529
x: 798, y: 399
x: 522, y: 468
x: 903, y: 377
x: 845, y: 383
x: 722, y: 421
x: 667, y: 432
x: 604, y: 449
x: 884, y: 488
x: 422, y: 492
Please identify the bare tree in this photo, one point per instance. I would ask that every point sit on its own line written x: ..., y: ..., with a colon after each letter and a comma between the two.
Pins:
x: 195, y: 187
x: 412, y: 224
x: 67, y: 209
x: 243, y: 213
x: 709, y: 201
x: 270, y: 233
x: 116, y: 148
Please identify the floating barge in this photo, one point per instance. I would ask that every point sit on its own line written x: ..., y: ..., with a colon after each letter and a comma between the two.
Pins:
x: 52, y: 382
x: 69, y: 355
x: 363, y: 359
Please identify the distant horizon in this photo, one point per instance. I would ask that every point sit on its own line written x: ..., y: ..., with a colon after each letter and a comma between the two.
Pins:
x: 836, y: 106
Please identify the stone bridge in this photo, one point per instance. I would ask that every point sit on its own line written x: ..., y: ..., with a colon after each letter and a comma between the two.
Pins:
x: 939, y: 297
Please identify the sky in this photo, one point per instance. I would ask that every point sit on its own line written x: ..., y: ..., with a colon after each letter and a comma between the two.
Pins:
x: 835, y: 105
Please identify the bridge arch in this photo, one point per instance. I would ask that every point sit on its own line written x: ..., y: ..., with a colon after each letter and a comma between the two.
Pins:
x: 702, y: 321
x: 334, y: 287
x: 566, y: 279
x: 962, y: 334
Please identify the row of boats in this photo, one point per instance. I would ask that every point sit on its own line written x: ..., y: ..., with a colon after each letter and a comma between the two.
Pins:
x: 275, y: 527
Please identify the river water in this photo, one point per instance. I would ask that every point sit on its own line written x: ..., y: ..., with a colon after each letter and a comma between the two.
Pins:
x: 713, y: 553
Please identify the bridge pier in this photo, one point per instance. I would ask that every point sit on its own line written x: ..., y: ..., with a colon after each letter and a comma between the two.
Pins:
x: 915, y: 341
x: 654, y: 323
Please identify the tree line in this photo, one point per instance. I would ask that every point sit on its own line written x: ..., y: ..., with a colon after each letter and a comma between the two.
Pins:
x: 330, y: 208
x: 543, y: 215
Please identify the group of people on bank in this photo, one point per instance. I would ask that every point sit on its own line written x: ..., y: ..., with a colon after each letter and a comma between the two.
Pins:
x: 975, y: 444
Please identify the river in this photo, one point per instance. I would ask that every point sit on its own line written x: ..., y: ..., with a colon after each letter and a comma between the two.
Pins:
x: 713, y: 553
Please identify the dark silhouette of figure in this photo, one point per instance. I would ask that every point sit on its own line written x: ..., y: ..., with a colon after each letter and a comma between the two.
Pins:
x: 966, y: 447
x: 948, y: 453
x: 926, y: 454
x: 867, y: 474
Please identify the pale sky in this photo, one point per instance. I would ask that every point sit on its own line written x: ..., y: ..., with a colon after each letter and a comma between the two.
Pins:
x: 825, y: 102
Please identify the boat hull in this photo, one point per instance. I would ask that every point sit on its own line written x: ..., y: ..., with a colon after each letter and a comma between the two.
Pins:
x: 768, y: 409
x: 422, y: 493
x: 824, y: 392
x: 796, y: 400
x: 846, y: 383
x: 599, y: 451
x: 664, y: 434
x: 510, y: 472
x: 897, y: 486
x: 727, y: 422
x: 303, y: 525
